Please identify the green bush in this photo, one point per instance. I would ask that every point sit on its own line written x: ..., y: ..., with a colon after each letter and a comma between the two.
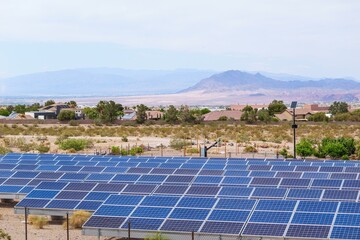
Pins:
x: 250, y: 149
x: 115, y: 150
x: 178, y: 143
x: 66, y: 115
x: 305, y: 148
x: 4, y: 235
x: 76, y: 144
x: 43, y: 149
x: 73, y: 123
x: 4, y: 150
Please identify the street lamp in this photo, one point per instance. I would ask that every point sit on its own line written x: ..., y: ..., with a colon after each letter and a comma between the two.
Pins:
x: 294, y: 126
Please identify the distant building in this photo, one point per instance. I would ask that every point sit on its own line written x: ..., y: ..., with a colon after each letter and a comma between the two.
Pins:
x: 48, y: 112
x: 214, y: 116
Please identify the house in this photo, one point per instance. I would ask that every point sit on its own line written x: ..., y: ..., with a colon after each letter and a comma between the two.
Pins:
x: 154, y: 115
x: 129, y: 115
x: 240, y: 107
x: 214, y: 116
x: 314, y: 108
x: 48, y: 112
x: 15, y: 115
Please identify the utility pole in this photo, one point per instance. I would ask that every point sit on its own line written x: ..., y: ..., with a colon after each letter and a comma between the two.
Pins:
x: 294, y: 125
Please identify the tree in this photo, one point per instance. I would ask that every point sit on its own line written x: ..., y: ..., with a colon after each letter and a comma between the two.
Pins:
x: 305, y: 148
x: 49, y: 102
x: 141, y: 113
x: 276, y: 106
x: 319, y: 117
x: 108, y: 111
x: 91, y: 113
x: 336, y: 147
x: 171, y: 115
x: 72, y: 104
x: 249, y: 114
x: 66, y: 115
x: 4, y: 112
x: 264, y: 115
x: 204, y: 111
x: 21, y: 108
x: 185, y: 115
x: 338, y: 107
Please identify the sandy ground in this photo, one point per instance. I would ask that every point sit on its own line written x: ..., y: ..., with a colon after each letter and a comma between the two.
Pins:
x: 14, y: 225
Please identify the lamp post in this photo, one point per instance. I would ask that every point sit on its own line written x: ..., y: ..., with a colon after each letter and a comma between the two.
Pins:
x: 294, y: 125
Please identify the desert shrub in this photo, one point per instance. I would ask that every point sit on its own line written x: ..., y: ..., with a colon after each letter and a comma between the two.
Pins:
x: 124, y: 139
x: 73, y: 123
x: 4, y: 150
x: 223, y: 118
x: 78, y: 219
x: 76, y: 144
x: 38, y: 221
x: 250, y: 149
x: 66, y: 115
x: 115, y: 150
x: 305, y: 148
x: 177, y: 143
x: 43, y: 149
x: 284, y: 152
x: 192, y: 150
x: 4, y: 235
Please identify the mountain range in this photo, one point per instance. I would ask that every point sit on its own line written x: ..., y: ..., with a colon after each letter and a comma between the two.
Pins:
x: 183, y: 84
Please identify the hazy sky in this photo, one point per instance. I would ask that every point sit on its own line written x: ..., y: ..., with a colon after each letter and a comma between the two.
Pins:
x: 319, y: 38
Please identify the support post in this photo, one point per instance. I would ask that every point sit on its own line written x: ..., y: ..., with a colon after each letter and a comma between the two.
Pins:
x: 129, y: 231
x: 26, y: 223
x: 67, y: 227
x: 192, y: 235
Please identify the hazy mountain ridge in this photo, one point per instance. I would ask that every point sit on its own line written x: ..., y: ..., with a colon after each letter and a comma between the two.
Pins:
x: 238, y: 80
x: 101, y: 81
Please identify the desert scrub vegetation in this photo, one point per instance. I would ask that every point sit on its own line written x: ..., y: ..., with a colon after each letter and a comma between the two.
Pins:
x: 4, y: 235
x: 235, y: 131
x: 156, y: 236
x: 77, y: 219
x: 76, y: 144
x: 38, y: 221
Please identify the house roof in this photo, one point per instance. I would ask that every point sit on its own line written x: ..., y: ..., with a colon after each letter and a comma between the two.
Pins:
x: 214, y: 116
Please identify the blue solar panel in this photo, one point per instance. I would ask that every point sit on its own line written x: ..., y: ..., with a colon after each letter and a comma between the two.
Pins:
x: 270, y: 217
x: 294, y: 182
x: 197, y: 202
x: 106, y: 222
x: 151, y: 212
x: 179, y: 179
x: 89, y: 205
x: 25, y: 174
x: 328, y: 183
x: 139, y: 188
x: 340, y: 195
x: 152, y: 178
x: 123, y: 200
x: 262, y: 174
x: 74, y: 176
x: 351, y: 184
x: 347, y: 220
x: 229, y: 215
x: 171, y: 189
x: 222, y: 227
x: 208, y: 179
x: 313, y: 218
x: 106, y: 210
x: 316, y: 175
x: 188, y: 213
x: 309, y: 206
x: 349, y: 207
x: 305, y: 193
x: 99, y: 177
x: 126, y: 177
x: 269, y: 192
x: 80, y: 186
x: 345, y: 233
x: 181, y: 225
x: 62, y: 204
x: 276, y: 205
x: 264, y: 229
x: 236, y: 180
x: 245, y: 204
x: 162, y: 201
x: 208, y: 191
x: 42, y: 194
x: 143, y: 223
x: 308, y: 231
x: 33, y: 203
x: 236, y: 191
x: 10, y: 189
x: 99, y: 196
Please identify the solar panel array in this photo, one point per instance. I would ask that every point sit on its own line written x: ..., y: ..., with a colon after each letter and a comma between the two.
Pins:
x: 308, y: 199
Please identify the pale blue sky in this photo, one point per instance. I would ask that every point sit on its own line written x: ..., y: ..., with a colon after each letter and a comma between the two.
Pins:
x: 318, y: 38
